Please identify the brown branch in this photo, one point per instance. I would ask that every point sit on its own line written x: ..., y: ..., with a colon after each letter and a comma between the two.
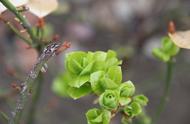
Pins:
x: 51, y: 50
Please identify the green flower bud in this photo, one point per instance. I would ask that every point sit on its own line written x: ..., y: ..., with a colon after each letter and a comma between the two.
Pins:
x: 127, y: 89
x: 141, y: 99
x: 133, y: 109
x: 109, y: 99
x: 97, y: 116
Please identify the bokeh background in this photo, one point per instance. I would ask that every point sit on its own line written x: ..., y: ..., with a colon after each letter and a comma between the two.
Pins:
x: 130, y: 27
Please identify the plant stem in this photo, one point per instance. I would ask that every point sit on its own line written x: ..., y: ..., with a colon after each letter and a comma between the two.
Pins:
x: 28, y: 41
x: 165, y: 97
x: 32, y: 110
x: 47, y: 53
x: 23, y: 20
x: 37, y: 90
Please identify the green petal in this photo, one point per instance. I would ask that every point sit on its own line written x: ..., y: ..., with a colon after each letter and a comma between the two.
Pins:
x: 95, y: 82
x: 115, y: 74
x: 127, y: 89
x: 107, y: 83
x: 87, y: 69
x: 124, y: 101
x: 74, y: 61
x: 76, y: 93
x: 78, y: 81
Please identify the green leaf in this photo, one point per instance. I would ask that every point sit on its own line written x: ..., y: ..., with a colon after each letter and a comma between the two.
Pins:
x: 158, y: 53
x: 97, y: 116
x: 141, y: 99
x: 166, y: 44
x: 169, y: 47
x: 109, y: 99
x: 127, y: 89
x: 174, y: 50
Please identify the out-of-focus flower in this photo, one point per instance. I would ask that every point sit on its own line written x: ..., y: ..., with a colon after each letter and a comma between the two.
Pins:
x: 16, y: 3
x: 42, y: 8
x: 181, y: 38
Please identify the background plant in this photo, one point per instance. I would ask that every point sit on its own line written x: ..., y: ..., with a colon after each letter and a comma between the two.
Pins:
x: 166, y: 53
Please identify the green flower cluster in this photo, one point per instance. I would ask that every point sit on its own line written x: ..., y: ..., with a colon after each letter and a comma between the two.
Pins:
x: 99, y: 73
x: 87, y: 72
x: 167, y: 50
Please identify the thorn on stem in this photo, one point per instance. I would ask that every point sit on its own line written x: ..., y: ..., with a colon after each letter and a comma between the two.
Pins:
x: 63, y: 47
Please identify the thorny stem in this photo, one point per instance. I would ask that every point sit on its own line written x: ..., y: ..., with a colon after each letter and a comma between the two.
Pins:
x: 23, y: 20
x: 35, y: 98
x: 28, y: 41
x: 50, y: 51
x: 165, y: 97
x: 37, y: 92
